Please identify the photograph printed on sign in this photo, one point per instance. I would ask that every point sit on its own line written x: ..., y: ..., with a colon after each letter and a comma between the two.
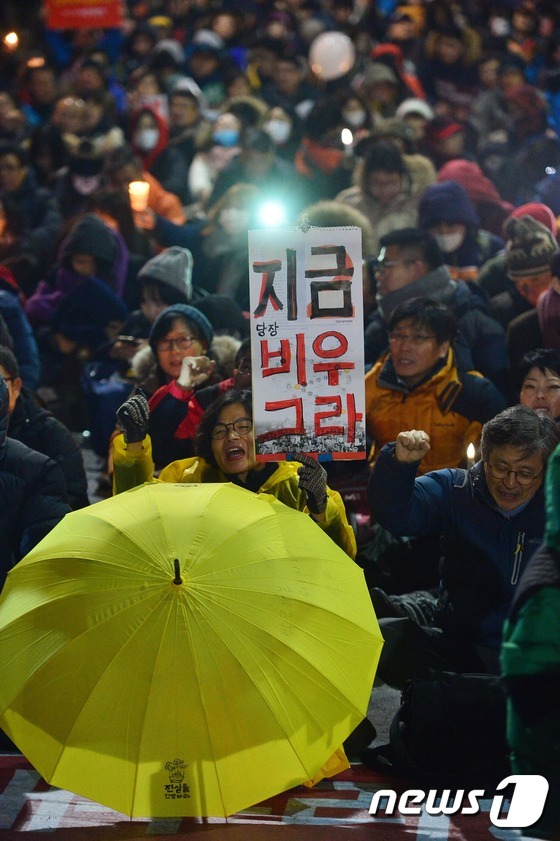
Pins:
x: 307, y: 342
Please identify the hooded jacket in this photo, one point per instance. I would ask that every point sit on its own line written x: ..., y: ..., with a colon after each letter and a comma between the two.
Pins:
x: 283, y: 483
x: 32, y: 491
x: 451, y: 407
x: 164, y: 162
x: 78, y: 306
x: 448, y: 201
x: 401, y: 211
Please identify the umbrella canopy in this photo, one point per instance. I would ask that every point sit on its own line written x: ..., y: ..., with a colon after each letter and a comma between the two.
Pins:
x: 184, y: 650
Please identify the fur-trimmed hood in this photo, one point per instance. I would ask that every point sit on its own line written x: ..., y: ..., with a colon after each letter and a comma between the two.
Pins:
x: 222, y: 350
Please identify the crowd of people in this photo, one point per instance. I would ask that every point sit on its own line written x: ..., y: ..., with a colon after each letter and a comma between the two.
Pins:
x: 440, y: 140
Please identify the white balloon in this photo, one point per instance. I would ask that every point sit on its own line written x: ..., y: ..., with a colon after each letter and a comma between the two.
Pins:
x: 331, y: 55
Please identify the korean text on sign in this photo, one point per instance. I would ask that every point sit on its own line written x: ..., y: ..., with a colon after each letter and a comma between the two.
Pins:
x: 307, y: 342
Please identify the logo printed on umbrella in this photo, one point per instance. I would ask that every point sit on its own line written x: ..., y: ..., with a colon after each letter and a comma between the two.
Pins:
x: 176, y: 787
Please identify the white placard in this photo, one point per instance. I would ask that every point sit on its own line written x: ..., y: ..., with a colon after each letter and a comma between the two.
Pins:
x: 307, y: 342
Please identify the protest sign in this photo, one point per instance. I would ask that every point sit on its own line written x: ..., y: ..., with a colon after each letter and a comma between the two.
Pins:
x: 83, y: 14
x: 307, y: 342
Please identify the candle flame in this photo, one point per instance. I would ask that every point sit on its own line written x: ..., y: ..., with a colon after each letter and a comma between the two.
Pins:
x: 347, y: 137
x: 471, y: 452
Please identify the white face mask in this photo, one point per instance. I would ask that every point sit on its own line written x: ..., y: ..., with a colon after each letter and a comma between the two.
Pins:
x: 147, y: 138
x: 450, y: 242
x: 234, y: 220
x: 85, y: 185
x: 354, y: 118
x: 279, y: 130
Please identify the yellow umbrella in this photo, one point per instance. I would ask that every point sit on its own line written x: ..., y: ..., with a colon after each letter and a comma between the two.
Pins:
x: 184, y: 650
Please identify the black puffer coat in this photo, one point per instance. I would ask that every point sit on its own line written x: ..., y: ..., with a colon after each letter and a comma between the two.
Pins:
x: 32, y: 495
x: 41, y: 431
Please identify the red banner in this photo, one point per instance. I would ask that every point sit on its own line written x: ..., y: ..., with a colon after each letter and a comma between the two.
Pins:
x: 83, y: 14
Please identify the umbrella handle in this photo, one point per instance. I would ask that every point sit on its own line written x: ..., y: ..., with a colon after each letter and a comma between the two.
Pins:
x: 177, y: 579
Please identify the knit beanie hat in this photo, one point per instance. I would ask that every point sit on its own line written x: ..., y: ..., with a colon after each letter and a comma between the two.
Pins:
x: 172, y: 267
x: 447, y: 201
x: 541, y: 212
x: 192, y: 314
x: 530, y: 247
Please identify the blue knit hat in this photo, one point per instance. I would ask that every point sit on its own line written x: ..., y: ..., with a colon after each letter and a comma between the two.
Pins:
x: 447, y: 201
x: 191, y: 314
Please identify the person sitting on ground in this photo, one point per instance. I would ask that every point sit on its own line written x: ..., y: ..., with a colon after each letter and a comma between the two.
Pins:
x: 417, y: 384
x: 225, y: 450
x: 493, y: 275
x: 33, y: 494
x: 384, y: 189
x: 123, y: 166
x: 492, y: 520
x: 539, y: 377
x: 529, y: 255
x: 182, y: 354
x: 41, y: 431
x: 446, y: 211
x: 225, y: 447
x: 39, y: 210
x: 410, y: 264
x: 530, y: 663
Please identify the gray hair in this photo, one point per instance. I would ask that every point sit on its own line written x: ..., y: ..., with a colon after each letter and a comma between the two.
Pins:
x: 520, y: 427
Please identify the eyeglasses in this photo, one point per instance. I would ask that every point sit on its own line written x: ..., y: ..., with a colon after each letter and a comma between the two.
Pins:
x: 242, y: 426
x: 415, y: 339
x: 181, y: 343
x: 383, y: 265
x: 524, y: 477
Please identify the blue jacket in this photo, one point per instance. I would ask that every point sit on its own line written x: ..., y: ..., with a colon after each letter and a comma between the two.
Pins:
x: 484, y: 551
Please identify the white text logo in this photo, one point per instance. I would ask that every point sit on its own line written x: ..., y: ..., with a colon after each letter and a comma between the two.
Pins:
x: 526, y: 804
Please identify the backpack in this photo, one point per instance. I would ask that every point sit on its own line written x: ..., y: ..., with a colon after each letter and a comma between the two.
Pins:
x: 449, y: 732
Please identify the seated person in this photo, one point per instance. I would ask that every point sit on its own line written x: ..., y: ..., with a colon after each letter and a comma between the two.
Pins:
x: 491, y: 519
x: 417, y: 384
x: 33, y: 494
x: 182, y: 355
x: 225, y: 449
x: 446, y: 211
x: 41, y: 431
x: 411, y: 265
x: 539, y: 378
x: 530, y: 661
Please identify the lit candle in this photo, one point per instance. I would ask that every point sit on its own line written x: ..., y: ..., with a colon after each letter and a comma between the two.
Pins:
x: 11, y: 41
x: 348, y: 140
x: 139, y: 192
x: 471, y: 453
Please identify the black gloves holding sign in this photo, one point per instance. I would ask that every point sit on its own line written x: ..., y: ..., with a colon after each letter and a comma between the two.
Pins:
x: 313, y: 479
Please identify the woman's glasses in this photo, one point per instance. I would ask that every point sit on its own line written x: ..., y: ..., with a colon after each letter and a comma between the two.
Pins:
x: 242, y: 426
x: 181, y: 343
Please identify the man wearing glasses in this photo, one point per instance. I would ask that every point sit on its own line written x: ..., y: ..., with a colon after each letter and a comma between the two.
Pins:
x: 417, y: 384
x: 410, y: 264
x: 491, y: 520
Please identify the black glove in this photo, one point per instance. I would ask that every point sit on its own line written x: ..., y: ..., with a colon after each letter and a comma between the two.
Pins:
x: 133, y: 417
x: 313, y: 479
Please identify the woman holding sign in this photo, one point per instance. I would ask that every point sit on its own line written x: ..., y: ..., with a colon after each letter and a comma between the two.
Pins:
x: 226, y: 453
